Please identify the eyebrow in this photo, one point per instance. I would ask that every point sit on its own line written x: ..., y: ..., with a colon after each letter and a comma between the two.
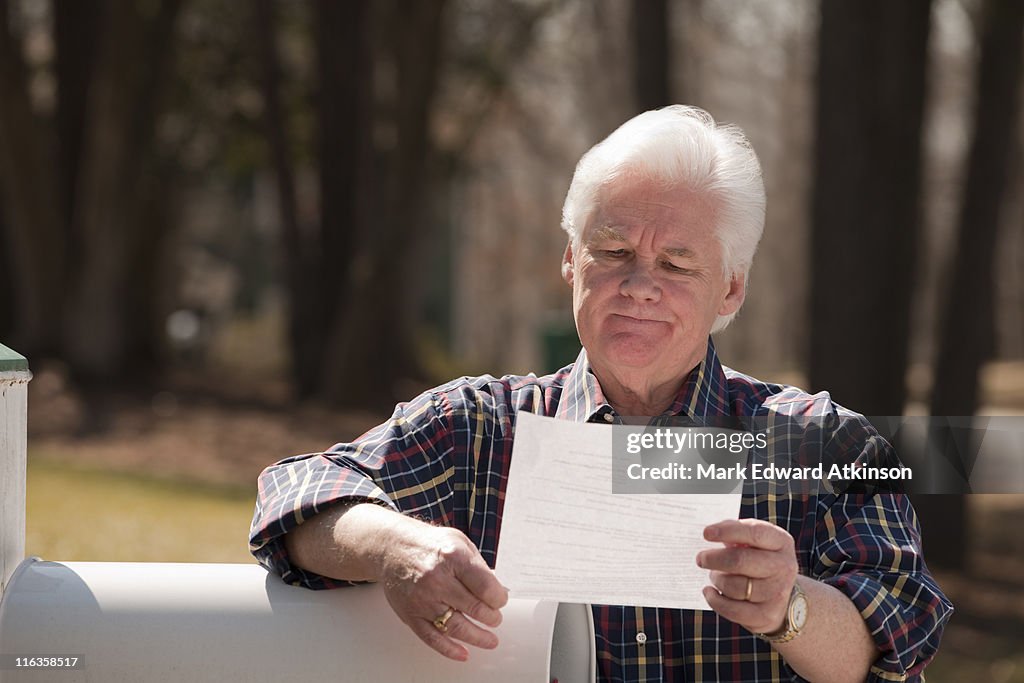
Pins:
x: 607, y: 232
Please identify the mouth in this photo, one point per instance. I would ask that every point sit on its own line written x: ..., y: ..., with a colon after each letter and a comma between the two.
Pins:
x: 636, y: 321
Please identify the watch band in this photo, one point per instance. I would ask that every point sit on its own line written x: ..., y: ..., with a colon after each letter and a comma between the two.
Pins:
x: 789, y: 630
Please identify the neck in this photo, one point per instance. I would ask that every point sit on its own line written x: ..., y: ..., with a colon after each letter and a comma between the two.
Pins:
x: 643, y: 392
x: 640, y: 398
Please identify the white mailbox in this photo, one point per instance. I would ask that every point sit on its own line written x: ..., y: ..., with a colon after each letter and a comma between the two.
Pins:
x: 233, y: 622
x: 120, y: 621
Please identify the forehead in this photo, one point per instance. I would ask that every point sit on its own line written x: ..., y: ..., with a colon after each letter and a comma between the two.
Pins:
x: 626, y: 207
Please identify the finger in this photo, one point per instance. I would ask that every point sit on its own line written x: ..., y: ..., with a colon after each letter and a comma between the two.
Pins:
x: 461, y: 627
x: 755, y: 533
x: 734, y: 586
x: 464, y: 601
x: 438, y: 641
x: 754, y: 617
x: 479, y: 579
x: 464, y: 580
x: 759, y: 564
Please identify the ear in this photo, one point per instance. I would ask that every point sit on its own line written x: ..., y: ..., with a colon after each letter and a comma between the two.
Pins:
x: 735, y: 295
x: 567, y: 270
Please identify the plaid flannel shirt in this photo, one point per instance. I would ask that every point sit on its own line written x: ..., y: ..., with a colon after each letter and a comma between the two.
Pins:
x: 444, y: 457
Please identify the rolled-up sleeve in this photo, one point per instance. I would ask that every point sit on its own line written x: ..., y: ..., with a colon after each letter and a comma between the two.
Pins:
x: 387, y: 464
x: 869, y: 547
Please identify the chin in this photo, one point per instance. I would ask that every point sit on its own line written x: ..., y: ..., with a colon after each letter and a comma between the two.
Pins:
x: 631, y: 355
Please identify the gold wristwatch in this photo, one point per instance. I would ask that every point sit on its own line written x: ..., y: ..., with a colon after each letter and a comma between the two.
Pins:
x: 796, y: 618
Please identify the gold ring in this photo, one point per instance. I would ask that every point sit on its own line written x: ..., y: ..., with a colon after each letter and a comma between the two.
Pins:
x: 750, y: 589
x: 441, y: 622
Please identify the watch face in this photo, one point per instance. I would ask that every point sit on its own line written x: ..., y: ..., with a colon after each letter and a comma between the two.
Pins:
x: 798, y: 612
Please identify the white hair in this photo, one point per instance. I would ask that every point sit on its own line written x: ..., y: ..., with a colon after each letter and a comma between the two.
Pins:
x: 680, y: 146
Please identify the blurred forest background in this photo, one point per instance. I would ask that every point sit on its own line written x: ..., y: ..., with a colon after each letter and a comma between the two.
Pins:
x: 235, y: 230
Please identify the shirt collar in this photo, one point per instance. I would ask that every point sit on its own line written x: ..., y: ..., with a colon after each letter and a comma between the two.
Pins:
x: 703, y: 394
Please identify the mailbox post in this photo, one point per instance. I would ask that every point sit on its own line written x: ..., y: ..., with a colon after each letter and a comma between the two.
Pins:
x: 14, y: 378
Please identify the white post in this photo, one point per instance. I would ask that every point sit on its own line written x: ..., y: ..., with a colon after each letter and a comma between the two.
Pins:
x: 14, y: 378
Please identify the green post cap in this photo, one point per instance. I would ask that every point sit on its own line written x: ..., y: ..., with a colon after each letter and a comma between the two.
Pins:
x: 12, y: 361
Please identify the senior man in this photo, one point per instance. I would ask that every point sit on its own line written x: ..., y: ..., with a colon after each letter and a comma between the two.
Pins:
x: 663, y: 218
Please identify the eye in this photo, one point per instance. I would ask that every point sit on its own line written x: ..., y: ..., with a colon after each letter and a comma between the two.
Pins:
x: 668, y: 265
x: 613, y: 253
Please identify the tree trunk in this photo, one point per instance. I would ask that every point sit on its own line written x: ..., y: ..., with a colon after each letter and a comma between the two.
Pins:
x: 8, y: 299
x: 967, y: 337
x: 372, y: 347
x: 32, y: 222
x: 95, y: 318
x: 651, y: 54
x: 968, y: 322
x: 101, y: 339
x: 154, y: 209
x: 76, y: 27
x: 866, y: 214
x: 344, y: 113
x: 871, y: 84
x: 298, y: 260
x: 8, y: 302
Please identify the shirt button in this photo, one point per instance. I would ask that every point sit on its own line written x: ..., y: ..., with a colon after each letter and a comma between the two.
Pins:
x: 641, y: 638
x: 608, y: 417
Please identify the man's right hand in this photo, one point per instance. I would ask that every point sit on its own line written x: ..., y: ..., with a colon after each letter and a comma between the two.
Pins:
x: 429, y: 569
x: 424, y: 570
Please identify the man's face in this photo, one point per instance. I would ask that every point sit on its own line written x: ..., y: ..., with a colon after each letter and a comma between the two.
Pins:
x: 648, y: 283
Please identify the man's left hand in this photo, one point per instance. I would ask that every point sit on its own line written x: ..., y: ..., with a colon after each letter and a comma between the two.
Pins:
x: 757, y: 552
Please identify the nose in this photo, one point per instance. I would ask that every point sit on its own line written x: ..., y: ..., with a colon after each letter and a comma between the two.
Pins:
x: 639, y: 283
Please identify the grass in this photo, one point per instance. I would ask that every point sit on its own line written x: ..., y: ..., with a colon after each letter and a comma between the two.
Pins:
x: 87, y: 514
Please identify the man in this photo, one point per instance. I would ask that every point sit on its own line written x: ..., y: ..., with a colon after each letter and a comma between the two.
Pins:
x: 663, y: 219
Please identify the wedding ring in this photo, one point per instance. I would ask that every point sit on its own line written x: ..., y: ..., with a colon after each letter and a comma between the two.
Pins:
x: 750, y: 590
x: 441, y: 621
